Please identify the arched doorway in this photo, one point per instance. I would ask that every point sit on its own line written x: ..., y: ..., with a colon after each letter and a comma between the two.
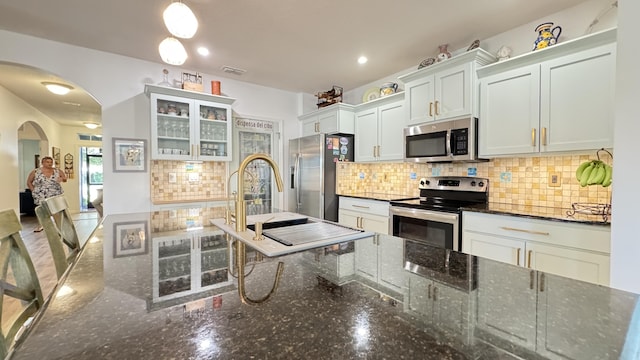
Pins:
x: 32, y: 144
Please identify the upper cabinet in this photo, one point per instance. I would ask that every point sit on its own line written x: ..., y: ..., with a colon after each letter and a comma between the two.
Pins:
x: 333, y: 119
x: 189, y: 125
x: 379, y: 125
x: 559, y: 98
x: 444, y: 90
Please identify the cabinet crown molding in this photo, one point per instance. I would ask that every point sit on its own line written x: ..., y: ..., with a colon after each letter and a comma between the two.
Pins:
x: 196, y: 95
x: 564, y: 48
x: 479, y: 56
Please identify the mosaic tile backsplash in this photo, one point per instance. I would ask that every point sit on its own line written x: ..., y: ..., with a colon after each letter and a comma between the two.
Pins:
x: 182, y: 181
x: 522, y: 181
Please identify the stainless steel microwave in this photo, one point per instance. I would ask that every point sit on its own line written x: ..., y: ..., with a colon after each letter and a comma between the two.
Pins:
x: 442, y: 141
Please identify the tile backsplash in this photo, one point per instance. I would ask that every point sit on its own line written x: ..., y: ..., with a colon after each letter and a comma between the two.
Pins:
x: 522, y: 181
x: 183, y: 181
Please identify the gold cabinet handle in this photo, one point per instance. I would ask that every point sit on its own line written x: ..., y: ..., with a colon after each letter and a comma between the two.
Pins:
x: 429, y: 291
x: 374, y: 151
x: 525, y: 231
x: 544, y: 136
x: 529, y: 258
x: 435, y: 293
x: 518, y: 256
x: 533, y: 137
x: 360, y: 206
x: 316, y: 127
x: 430, y: 109
x: 541, y: 282
x: 378, y: 148
x: 437, y: 112
x: 532, y: 276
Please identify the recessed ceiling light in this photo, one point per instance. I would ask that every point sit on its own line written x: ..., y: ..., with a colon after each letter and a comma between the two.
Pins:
x: 362, y: 60
x: 57, y: 88
x: 203, y: 51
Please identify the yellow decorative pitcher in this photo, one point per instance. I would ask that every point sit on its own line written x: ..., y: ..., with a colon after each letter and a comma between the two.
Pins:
x: 547, y: 35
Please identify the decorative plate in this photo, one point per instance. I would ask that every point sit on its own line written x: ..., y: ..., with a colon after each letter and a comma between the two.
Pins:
x: 475, y: 44
x: 371, y: 94
x: 426, y: 62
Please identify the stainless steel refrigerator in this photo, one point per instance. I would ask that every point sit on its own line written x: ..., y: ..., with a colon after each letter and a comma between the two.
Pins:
x: 311, y: 187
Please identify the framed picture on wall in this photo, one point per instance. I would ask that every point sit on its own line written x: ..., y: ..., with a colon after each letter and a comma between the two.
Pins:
x: 130, y: 238
x: 55, y: 153
x: 129, y: 155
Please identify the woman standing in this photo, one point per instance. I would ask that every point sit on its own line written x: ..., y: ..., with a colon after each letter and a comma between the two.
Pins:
x: 44, y: 182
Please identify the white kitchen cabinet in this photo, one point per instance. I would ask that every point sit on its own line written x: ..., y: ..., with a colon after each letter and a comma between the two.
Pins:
x: 553, y: 100
x: 333, y: 119
x: 336, y: 267
x: 378, y: 259
x: 199, y: 129
x: 537, y: 305
x: 577, y: 251
x: 379, y: 126
x: 443, y: 307
x: 184, y: 264
x: 444, y: 90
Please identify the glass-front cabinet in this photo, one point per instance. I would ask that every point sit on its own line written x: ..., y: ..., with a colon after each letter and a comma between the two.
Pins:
x: 189, y: 125
x: 188, y: 263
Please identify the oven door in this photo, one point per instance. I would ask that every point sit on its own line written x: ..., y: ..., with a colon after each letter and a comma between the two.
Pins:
x: 434, y: 228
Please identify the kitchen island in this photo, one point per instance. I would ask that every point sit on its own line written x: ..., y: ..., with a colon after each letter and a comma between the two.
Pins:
x: 160, y: 285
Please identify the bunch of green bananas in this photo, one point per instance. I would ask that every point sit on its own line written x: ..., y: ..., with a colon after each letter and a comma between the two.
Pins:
x: 594, y: 172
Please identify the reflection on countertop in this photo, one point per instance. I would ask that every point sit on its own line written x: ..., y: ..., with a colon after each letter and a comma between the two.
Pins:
x: 512, y: 312
x: 569, y: 214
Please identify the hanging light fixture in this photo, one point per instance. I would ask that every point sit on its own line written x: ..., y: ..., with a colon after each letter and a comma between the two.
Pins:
x: 172, y: 52
x: 180, y: 20
x: 91, y: 125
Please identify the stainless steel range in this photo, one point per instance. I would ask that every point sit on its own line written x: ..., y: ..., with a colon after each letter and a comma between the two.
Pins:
x: 431, y: 226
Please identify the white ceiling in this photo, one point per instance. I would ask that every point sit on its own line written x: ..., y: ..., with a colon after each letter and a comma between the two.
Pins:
x: 295, y: 45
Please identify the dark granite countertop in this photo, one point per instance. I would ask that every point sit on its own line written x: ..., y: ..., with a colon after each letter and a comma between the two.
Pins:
x: 578, y: 214
x: 148, y: 302
x: 382, y: 196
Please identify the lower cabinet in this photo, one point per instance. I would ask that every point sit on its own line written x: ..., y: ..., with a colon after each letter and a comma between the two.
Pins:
x: 445, y: 308
x: 529, y: 309
x: 337, y: 267
x: 187, y: 264
x: 577, y: 251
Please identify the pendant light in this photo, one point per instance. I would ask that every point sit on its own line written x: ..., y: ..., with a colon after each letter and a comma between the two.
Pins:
x: 180, y: 20
x: 172, y: 52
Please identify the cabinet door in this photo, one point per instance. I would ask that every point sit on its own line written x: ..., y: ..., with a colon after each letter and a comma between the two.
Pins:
x: 509, y: 112
x: 604, y: 312
x: 507, y: 250
x: 376, y: 223
x: 503, y: 289
x: 171, y: 127
x: 450, y: 308
x: 453, y: 92
x: 390, y: 131
x: 420, y: 292
x: 366, y: 129
x: 419, y: 97
x: 212, y: 131
x: 572, y: 263
x: 173, y: 263
x: 349, y: 218
x: 310, y: 126
x: 366, y: 253
x: 213, y: 260
x: 328, y: 122
x: 391, y: 262
x: 577, y: 99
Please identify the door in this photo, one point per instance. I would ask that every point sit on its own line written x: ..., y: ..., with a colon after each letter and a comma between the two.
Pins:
x: 94, y: 176
x: 453, y: 92
x: 258, y: 185
x: 419, y: 98
x: 366, y: 124
x: 310, y: 179
x: 390, y: 129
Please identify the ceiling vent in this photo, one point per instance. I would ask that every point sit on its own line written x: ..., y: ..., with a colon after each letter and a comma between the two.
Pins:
x: 232, y: 70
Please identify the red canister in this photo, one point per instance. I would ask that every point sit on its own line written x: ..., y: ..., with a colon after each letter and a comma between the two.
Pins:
x: 215, y: 87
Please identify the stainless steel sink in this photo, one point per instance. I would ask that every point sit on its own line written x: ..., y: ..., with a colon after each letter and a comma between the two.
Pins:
x: 309, y: 232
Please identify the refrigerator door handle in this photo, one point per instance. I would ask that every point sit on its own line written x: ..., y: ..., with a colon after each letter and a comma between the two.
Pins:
x: 296, y: 176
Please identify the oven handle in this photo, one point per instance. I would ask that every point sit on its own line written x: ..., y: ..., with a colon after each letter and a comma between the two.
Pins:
x: 451, y: 218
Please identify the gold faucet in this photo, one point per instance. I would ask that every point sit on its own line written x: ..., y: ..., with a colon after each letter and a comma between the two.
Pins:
x: 241, y: 226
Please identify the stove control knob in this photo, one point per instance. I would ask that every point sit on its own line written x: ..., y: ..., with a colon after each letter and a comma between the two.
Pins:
x: 473, y: 183
x: 481, y: 184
